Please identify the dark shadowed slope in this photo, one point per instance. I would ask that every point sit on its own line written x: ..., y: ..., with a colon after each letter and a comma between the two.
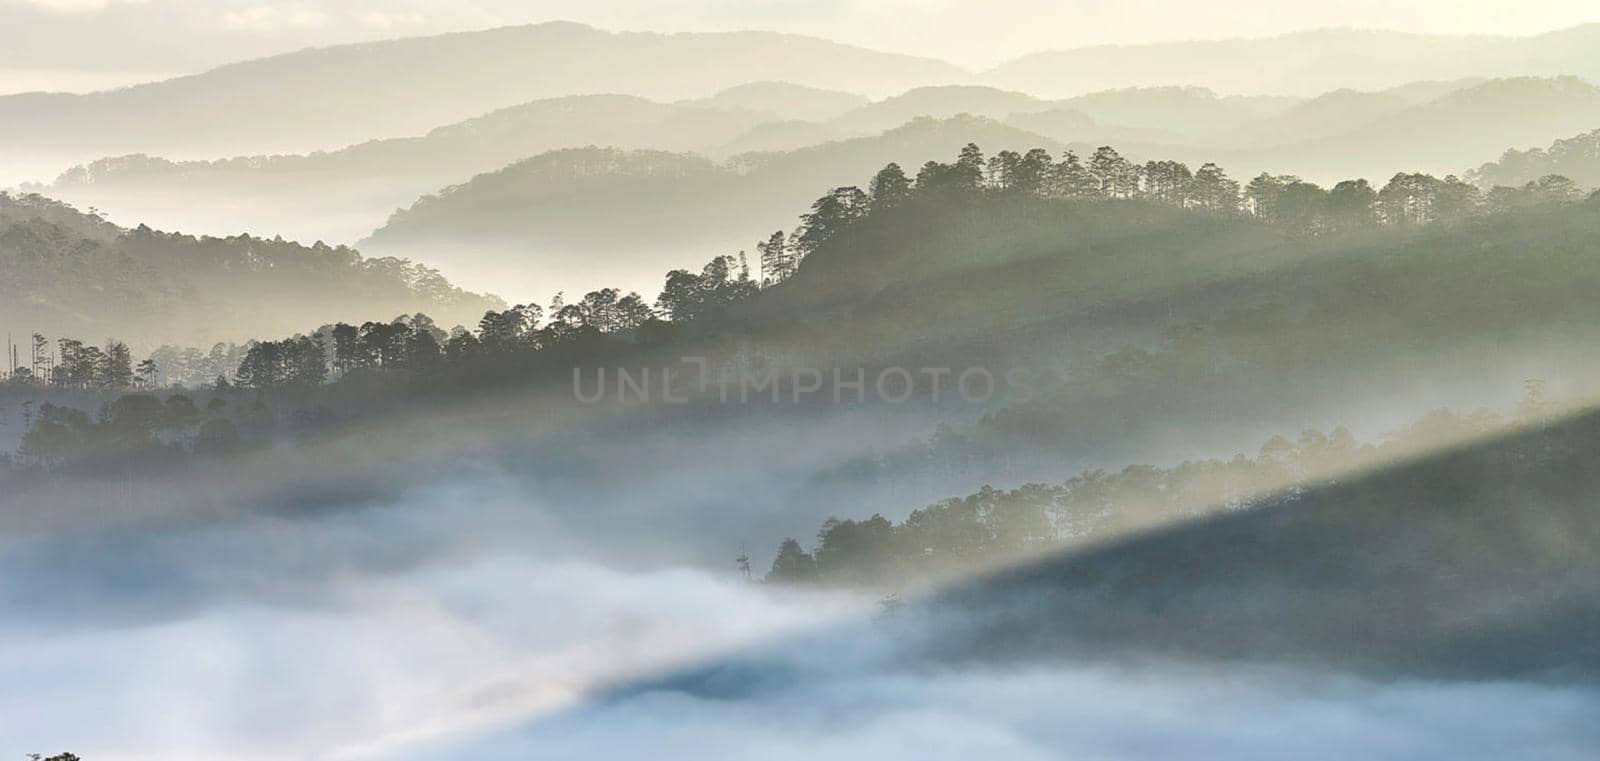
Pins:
x: 66, y: 273
x: 1400, y: 607
x: 1473, y: 566
x: 1477, y: 562
x: 342, y: 95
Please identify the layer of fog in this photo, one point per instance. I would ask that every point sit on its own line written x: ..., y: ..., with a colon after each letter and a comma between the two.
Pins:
x: 1077, y: 711
x: 469, y: 624
x: 257, y: 636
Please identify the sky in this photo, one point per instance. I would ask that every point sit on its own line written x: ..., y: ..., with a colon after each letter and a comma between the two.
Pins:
x: 76, y: 45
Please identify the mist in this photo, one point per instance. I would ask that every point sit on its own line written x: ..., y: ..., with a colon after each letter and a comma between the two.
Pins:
x: 308, y: 639
x: 187, y: 36
x: 1134, y: 712
x: 394, y: 379
x: 451, y: 611
x: 466, y: 622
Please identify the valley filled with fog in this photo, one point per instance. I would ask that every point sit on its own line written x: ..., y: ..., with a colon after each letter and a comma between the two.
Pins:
x: 389, y: 382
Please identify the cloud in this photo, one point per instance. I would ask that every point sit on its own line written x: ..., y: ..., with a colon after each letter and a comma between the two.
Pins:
x: 457, y: 625
x: 391, y: 662
x: 470, y: 621
x: 393, y: 22
x: 267, y: 17
x: 70, y: 5
x: 1166, y: 711
x: 353, y: 631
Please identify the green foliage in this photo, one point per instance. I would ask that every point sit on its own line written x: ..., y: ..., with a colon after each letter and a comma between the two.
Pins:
x: 69, y: 272
x: 981, y: 261
x: 992, y: 526
x: 724, y: 281
x: 792, y: 564
x: 1576, y: 157
x: 298, y: 361
x: 133, y: 430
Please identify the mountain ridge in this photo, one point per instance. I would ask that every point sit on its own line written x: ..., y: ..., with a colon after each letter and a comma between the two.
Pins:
x: 323, y: 97
x: 1303, y: 62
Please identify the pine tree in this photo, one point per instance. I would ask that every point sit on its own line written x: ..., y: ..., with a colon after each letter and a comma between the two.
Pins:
x: 116, y: 368
x: 776, y: 259
x: 792, y: 564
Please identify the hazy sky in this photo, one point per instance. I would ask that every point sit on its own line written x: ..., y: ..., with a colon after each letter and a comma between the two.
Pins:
x: 78, y: 44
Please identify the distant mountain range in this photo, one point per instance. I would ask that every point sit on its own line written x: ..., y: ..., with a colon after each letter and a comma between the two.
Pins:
x: 342, y: 195
x: 1303, y: 63
x: 735, y: 158
x: 783, y: 101
x: 335, y: 96
x: 324, y: 98
x: 1442, y: 136
x: 578, y: 219
x: 748, y: 138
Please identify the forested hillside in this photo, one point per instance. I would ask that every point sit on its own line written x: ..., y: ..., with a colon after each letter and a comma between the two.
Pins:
x: 71, y: 273
x: 343, y: 195
x: 1471, y: 563
x: 546, y: 392
x: 1151, y: 312
x: 1430, y: 137
x: 576, y: 220
x: 1577, y: 158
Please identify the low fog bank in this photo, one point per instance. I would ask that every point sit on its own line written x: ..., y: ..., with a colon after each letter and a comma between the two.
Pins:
x: 478, y: 621
x: 352, y: 634
x: 829, y: 701
x: 146, y: 568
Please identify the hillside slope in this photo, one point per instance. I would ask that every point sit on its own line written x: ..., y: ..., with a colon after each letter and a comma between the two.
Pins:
x: 342, y: 195
x: 576, y: 220
x: 1451, y: 133
x: 328, y: 97
x: 1302, y: 63
x: 1471, y: 563
x: 1577, y: 158
x: 64, y: 273
x: 783, y: 101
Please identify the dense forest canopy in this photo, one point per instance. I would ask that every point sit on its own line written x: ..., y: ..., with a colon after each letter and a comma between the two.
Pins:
x: 72, y: 273
x: 993, y: 527
x: 573, y: 220
x: 1576, y: 158
x: 866, y: 271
